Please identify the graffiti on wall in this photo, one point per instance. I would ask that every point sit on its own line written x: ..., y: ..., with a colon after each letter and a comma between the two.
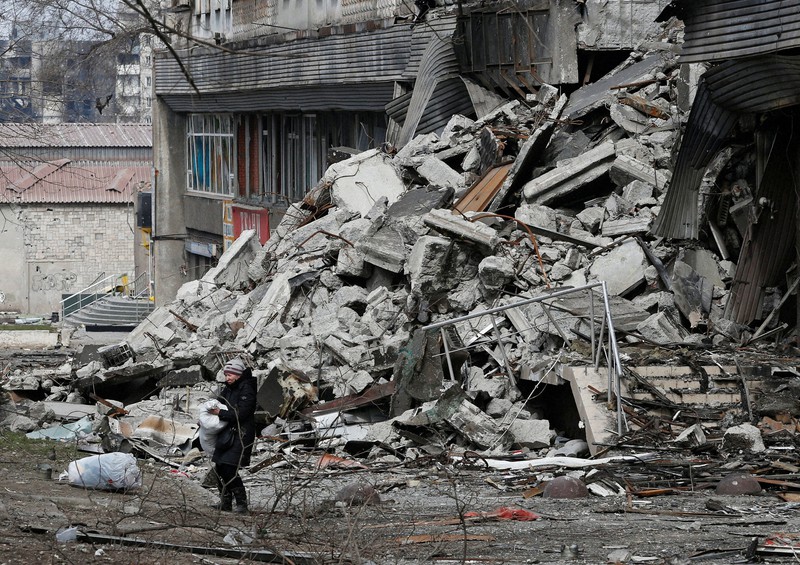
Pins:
x: 42, y: 282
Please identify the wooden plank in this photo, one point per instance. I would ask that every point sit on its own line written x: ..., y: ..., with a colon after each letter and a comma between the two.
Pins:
x: 482, y: 192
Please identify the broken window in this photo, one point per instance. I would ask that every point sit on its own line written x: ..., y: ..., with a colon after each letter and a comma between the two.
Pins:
x: 210, y: 153
x: 295, y: 147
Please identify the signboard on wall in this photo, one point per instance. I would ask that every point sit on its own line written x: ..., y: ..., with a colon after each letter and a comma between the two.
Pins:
x: 227, y: 224
x: 247, y: 218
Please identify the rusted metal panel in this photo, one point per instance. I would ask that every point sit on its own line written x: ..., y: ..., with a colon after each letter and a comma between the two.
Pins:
x: 67, y: 181
x: 478, y: 197
x: 357, y: 58
x: 768, y: 247
x: 727, y: 29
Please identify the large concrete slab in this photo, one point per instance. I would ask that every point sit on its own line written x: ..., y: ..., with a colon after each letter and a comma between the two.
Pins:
x: 598, y: 420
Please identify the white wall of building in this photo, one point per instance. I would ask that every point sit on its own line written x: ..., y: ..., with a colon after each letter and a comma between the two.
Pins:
x: 60, y: 249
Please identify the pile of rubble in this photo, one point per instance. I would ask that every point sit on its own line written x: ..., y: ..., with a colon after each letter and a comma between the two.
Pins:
x: 333, y: 313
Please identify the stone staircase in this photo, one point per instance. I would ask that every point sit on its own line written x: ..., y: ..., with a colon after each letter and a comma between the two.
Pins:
x: 112, y: 313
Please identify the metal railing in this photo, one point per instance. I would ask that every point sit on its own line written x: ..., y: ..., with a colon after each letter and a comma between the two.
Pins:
x: 111, y: 285
x: 612, y: 357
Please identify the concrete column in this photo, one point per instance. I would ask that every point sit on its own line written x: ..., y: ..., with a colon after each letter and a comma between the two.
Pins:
x: 169, y: 229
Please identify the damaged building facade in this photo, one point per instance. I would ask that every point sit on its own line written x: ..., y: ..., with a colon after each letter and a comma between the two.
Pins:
x: 246, y: 122
x: 512, y: 276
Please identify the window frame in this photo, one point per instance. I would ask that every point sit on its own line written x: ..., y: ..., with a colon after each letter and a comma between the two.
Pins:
x: 212, y: 139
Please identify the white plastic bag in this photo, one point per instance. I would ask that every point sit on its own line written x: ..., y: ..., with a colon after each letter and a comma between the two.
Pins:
x: 109, y: 471
x: 208, y: 421
x: 210, y: 425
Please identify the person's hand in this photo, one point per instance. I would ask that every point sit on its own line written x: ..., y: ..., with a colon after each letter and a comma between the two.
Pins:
x: 214, y: 411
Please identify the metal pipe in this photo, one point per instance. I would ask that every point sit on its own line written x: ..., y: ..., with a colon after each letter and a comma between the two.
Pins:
x: 615, y: 361
x: 591, y: 318
x: 447, y: 352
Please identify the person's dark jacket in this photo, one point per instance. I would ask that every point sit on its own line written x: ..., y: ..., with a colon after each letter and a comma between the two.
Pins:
x: 240, y: 398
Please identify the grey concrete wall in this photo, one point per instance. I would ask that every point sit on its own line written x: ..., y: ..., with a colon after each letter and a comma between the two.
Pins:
x: 51, y: 250
x: 169, y: 231
x: 13, y: 275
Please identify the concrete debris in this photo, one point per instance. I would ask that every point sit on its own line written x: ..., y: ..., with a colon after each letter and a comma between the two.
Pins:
x: 331, y: 312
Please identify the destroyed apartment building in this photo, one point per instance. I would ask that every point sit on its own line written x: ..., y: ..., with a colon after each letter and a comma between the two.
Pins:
x: 571, y: 273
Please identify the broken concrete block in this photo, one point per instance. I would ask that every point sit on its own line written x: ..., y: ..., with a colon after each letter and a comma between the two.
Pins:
x: 468, y: 420
x: 744, y: 437
x: 705, y: 264
x: 533, y: 434
x: 622, y: 268
x: 559, y: 272
x: 692, y: 292
x: 457, y: 227
x: 496, y: 385
x: 350, y: 296
x: 271, y: 305
x: 438, y: 173
x: 626, y: 225
x: 626, y: 169
x: 591, y: 218
x: 537, y: 215
x: 413, y: 152
x: 232, y: 269
x: 350, y: 263
x: 495, y: 273
x: 571, y: 175
x: 499, y: 407
x: 661, y: 329
x: 350, y: 354
x: 639, y: 193
x: 352, y: 383
x: 455, y: 127
x: 357, y: 183
x: 188, y: 376
x: 385, y: 249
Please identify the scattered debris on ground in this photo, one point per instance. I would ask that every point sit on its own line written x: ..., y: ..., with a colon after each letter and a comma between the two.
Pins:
x: 491, y: 299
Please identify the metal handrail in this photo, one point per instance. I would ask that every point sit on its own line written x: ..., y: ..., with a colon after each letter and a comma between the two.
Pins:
x: 87, y: 295
x: 137, y: 283
x: 607, y: 326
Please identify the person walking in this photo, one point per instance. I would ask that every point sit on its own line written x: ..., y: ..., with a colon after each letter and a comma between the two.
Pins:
x: 239, y: 395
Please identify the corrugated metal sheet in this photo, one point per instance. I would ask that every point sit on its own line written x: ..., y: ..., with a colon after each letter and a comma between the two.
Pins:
x: 759, y: 84
x: 75, y: 135
x: 730, y: 88
x: 359, y: 58
x: 484, y: 101
x: 66, y: 181
x: 450, y: 97
x: 708, y: 126
x: 441, y: 27
x: 345, y: 97
x: 438, y: 91
x: 727, y: 29
x: 768, y: 248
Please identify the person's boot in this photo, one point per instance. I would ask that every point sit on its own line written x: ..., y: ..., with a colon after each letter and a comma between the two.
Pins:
x: 240, y: 494
x: 225, y: 503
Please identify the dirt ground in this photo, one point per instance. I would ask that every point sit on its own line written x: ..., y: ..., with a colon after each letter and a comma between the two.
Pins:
x: 422, y: 517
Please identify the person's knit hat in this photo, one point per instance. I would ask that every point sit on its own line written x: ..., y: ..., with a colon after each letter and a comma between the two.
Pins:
x: 235, y: 366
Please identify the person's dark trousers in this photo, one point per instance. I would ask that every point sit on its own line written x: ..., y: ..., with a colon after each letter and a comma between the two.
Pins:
x: 232, y: 487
